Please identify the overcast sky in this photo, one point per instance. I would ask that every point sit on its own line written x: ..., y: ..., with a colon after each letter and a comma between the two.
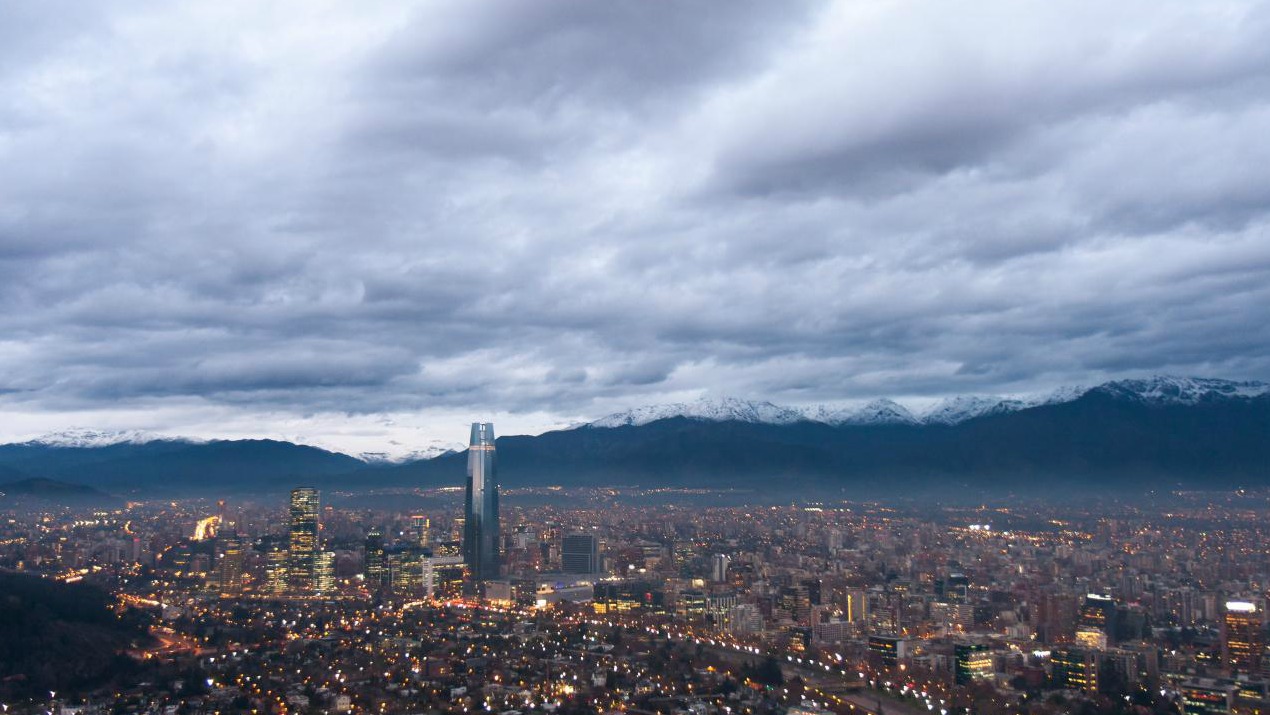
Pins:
x: 363, y: 225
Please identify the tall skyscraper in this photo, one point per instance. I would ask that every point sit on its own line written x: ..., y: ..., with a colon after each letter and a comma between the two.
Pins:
x: 480, y: 517
x: 376, y: 570
x: 1242, y: 642
x: 324, y: 572
x: 719, y: 567
x: 1097, y: 626
x: 276, y: 571
x: 580, y: 553
x: 230, y: 567
x: 302, y: 569
x: 420, y: 529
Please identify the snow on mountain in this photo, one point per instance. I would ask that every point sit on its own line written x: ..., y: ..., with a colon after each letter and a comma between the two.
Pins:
x: 1163, y: 390
x: 1057, y: 397
x: 877, y: 412
x: 951, y: 411
x: 959, y: 409
x: 725, y: 409
x: 1167, y: 390
x: 89, y: 438
x: 434, y: 449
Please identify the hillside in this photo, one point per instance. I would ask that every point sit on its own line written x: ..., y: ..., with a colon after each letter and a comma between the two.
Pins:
x: 62, y: 637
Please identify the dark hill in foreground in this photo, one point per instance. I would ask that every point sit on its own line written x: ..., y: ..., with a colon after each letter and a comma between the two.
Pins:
x: 56, y: 636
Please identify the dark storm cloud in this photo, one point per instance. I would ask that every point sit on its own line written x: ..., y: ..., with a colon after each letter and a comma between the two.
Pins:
x: 568, y: 207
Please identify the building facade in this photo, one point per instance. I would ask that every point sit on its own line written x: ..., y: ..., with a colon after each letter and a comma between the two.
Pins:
x: 302, y: 566
x: 580, y: 553
x: 1242, y: 641
x: 480, y: 517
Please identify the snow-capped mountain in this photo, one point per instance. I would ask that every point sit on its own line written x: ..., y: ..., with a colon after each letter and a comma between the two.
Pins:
x: 951, y: 411
x: 89, y: 438
x: 967, y: 407
x: 1182, y: 390
x: 877, y: 412
x: 726, y: 409
x: 436, y: 448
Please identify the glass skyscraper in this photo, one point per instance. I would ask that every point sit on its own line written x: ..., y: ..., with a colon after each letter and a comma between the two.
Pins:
x: 480, y: 523
x: 302, y: 568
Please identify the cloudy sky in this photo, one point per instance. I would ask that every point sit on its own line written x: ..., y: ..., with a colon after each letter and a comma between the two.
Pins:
x: 362, y: 225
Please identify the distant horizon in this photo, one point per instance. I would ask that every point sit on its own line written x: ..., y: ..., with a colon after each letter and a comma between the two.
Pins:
x: 394, y: 450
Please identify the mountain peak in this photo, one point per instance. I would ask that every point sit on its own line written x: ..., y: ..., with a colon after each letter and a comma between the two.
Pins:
x: 954, y: 410
x: 709, y: 409
x: 1172, y: 390
x: 881, y: 411
x: 435, y: 448
x: 89, y: 438
x: 950, y: 411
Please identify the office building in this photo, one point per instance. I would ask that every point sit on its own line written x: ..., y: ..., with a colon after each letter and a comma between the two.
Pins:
x: 719, y: 568
x: 302, y: 569
x: 1205, y: 697
x: 420, y: 529
x: 230, y: 567
x: 973, y: 662
x: 480, y: 517
x: 1097, y: 625
x: 276, y: 578
x: 442, y: 576
x: 1076, y: 668
x: 324, y: 572
x: 375, y: 564
x: 580, y: 553
x: 887, y: 651
x: 1242, y: 640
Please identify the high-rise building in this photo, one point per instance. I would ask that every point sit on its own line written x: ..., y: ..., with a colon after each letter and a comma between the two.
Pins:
x: 420, y: 528
x: 887, y: 651
x: 796, y: 601
x: 855, y: 605
x: 1242, y: 641
x: 276, y: 571
x: 442, y: 576
x: 480, y: 517
x: 230, y: 568
x: 580, y: 553
x: 974, y: 662
x: 1076, y: 668
x: 719, y: 568
x: 324, y: 572
x: 302, y: 569
x: 375, y: 565
x: 1097, y: 626
x: 402, y: 571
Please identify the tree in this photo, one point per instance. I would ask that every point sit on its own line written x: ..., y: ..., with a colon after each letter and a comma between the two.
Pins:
x: 768, y: 673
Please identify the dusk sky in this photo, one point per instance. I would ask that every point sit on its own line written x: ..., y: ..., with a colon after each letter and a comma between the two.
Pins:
x: 365, y: 225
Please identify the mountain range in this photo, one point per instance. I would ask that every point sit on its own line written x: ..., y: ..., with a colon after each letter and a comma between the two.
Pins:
x: 1154, y: 433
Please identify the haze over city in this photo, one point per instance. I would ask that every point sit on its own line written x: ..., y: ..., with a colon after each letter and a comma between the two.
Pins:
x: 365, y: 226
x: 635, y: 357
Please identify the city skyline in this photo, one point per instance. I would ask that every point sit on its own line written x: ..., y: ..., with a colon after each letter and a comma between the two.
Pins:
x: 848, y: 357
x: 242, y: 223
x: 1124, y: 606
